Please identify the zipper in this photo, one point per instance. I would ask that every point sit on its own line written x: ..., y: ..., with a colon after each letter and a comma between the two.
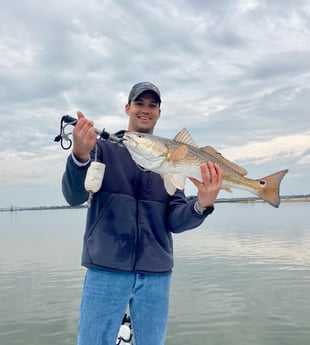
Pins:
x: 139, y: 179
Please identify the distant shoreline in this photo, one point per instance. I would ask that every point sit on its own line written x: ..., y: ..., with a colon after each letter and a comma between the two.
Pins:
x: 290, y: 198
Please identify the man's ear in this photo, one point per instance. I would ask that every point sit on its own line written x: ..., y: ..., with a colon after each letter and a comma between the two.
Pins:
x: 127, y: 106
x: 159, y: 113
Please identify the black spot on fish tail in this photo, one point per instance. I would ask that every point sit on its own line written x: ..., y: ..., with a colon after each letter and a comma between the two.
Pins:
x: 270, y: 188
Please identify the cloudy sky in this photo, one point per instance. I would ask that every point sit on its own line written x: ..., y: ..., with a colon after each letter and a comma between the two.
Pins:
x: 235, y: 73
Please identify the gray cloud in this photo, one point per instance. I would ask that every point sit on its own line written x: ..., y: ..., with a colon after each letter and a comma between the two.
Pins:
x: 233, y: 72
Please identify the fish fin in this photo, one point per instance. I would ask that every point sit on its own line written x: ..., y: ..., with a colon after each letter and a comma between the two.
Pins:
x: 178, y: 181
x: 185, y: 138
x: 169, y: 186
x: 177, y: 154
x: 226, y: 188
x: 173, y: 182
x: 211, y: 151
x: 270, y: 188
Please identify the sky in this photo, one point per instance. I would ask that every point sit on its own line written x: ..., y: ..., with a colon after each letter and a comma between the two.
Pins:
x: 236, y: 74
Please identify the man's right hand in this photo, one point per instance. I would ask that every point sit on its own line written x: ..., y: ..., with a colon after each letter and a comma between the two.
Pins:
x: 84, y: 138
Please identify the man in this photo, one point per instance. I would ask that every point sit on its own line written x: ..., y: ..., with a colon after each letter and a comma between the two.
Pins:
x: 128, y: 243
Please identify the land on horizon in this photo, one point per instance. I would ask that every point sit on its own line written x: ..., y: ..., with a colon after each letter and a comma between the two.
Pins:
x: 285, y: 198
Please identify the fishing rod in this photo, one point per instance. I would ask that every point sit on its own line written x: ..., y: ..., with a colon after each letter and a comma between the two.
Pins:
x: 67, y: 120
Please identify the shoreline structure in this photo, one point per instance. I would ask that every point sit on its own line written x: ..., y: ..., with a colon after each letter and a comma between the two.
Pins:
x: 289, y: 198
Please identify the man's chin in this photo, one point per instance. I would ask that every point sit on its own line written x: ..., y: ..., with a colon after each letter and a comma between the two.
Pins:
x: 145, y: 129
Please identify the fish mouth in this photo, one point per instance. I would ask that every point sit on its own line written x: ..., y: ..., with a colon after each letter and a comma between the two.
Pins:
x: 128, y: 139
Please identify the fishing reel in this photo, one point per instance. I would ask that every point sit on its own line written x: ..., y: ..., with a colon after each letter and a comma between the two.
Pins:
x: 65, y: 121
x: 63, y: 136
x: 125, y: 332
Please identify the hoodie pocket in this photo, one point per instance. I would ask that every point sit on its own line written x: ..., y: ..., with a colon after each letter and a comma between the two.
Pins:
x: 112, y: 237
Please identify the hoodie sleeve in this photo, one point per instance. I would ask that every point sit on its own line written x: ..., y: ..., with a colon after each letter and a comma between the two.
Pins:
x: 73, y: 183
x: 182, y: 215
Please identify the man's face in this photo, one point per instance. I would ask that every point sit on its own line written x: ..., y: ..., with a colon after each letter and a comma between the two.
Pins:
x: 143, y: 113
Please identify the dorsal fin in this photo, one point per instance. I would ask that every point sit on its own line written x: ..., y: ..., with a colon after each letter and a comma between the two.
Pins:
x: 211, y: 151
x: 185, y: 138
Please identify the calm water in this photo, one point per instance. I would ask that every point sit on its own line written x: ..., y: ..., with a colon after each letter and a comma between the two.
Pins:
x: 243, y: 278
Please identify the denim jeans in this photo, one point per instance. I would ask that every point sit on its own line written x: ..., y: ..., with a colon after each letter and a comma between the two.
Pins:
x: 105, y: 298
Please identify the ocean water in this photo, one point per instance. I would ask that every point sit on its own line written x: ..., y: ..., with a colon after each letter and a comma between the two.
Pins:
x: 241, y: 278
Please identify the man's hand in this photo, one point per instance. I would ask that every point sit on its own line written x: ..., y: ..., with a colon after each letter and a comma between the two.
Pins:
x: 84, y: 138
x: 208, y: 190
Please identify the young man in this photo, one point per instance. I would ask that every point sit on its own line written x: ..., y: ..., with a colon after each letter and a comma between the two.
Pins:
x: 128, y: 249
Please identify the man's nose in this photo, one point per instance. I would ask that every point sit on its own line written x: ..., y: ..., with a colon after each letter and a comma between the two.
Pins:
x: 145, y: 109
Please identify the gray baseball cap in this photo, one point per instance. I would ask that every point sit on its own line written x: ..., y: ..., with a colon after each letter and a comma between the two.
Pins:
x: 139, y: 88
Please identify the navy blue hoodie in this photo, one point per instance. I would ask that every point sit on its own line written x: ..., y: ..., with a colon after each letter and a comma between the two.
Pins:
x: 131, y: 218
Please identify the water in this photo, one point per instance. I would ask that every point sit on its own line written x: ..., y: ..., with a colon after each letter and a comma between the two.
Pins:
x: 242, y: 278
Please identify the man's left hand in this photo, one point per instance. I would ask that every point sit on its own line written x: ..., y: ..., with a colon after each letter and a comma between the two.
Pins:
x: 211, y: 184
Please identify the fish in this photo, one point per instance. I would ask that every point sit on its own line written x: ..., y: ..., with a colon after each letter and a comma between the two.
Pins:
x: 180, y: 158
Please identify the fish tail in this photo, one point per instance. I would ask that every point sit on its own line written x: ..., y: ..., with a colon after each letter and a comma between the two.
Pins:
x: 269, y: 188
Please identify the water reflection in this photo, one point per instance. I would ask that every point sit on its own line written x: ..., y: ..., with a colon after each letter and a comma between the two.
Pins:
x: 292, y: 254
x: 284, y: 240
x: 243, y: 277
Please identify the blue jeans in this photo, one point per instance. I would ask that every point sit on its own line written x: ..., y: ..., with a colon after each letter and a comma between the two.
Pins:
x: 105, y: 298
